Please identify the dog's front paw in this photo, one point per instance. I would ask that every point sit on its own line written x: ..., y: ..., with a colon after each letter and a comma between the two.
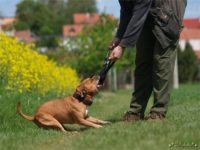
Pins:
x: 98, y: 126
x: 106, y: 122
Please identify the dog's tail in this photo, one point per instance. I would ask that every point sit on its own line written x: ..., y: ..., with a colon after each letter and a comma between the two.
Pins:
x: 30, y: 118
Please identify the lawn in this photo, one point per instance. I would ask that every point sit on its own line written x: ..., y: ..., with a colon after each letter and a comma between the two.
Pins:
x: 179, y: 131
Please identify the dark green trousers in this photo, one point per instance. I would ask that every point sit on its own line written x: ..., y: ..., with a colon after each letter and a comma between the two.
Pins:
x: 153, y: 73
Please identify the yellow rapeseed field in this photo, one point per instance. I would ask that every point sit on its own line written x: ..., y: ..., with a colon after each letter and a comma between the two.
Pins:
x: 24, y: 70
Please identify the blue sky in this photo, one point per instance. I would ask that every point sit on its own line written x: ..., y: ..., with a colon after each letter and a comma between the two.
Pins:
x: 8, y: 7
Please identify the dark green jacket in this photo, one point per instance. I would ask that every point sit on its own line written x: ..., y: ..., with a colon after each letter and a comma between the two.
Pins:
x: 166, y: 23
x: 168, y: 17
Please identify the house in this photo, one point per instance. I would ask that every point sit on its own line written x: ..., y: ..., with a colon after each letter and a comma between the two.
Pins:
x: 193, y: 37
x: 191, y: 34
x: 7, y: 26
x: 192, y: 23
x: 25, y: 36
x: 72, y: 30
x: 86, y: 18
x: 7, y: 23
x: 80, y: 20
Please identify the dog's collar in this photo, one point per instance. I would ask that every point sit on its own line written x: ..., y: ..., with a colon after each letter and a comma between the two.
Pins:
x: 83, y: 99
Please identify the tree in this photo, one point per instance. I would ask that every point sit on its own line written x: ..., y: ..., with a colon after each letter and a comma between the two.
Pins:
x: 61, y: 15
x: 56, y: 5
x: 93, y: 47
x: 38, y: 18
x: 34, y: 16
x: 64, y: 10
x: 187, y: 64
x: 45, y: 18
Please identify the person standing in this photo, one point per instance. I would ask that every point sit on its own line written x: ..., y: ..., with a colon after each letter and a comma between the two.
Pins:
x: 154, y: 26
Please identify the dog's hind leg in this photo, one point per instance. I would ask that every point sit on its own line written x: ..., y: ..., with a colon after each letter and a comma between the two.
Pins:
x: 48, y: 121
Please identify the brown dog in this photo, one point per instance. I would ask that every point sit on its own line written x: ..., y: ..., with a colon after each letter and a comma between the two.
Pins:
x: 69, y: 110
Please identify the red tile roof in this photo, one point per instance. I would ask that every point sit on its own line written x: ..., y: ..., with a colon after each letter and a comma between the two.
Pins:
x: 188, y: 34
x: 7, y: 22
x: 81, y: 20
x: 72, y: 30
x: 192, y: 23
x: 86, y: 18
x: 25, y: 36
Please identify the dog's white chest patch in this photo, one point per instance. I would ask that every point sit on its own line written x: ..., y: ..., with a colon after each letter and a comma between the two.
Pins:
x: 86, y: 111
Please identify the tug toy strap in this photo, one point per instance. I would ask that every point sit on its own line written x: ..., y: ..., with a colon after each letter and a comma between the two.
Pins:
x: 106, y: 67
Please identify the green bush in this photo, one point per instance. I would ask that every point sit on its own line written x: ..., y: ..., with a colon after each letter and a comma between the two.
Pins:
x: 187, y: 64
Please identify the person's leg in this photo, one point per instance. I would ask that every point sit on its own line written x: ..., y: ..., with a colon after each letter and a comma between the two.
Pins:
x: 143, y: 72
x: 163, y: 68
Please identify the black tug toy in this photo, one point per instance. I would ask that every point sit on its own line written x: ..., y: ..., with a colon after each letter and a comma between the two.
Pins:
x: 106, y: 67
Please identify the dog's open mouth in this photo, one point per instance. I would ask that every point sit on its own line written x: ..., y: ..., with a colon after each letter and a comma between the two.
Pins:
x: 98, y: 85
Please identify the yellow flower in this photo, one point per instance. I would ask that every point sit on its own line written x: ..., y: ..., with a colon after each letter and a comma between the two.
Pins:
x: 24, y: 69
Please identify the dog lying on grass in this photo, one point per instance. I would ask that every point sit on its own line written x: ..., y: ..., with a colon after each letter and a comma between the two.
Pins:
x: 68, y: 110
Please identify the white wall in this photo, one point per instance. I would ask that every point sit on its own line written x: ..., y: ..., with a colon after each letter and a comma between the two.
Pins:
x: 194, y: 42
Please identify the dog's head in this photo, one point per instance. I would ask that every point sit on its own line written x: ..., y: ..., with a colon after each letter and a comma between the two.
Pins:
x: 88, y: 86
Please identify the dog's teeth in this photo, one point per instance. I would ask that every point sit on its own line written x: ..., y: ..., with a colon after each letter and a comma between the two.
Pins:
x: 98, y: 86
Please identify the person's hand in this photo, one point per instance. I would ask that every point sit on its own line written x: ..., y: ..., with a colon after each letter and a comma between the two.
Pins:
x: 117, y: 53
x: 114, y: 44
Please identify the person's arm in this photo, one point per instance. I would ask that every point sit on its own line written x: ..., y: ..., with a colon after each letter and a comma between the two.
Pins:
x: 125, y: 17
x: 139, y: 14
x: 131, y: 29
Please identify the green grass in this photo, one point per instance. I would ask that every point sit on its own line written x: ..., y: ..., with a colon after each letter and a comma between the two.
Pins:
x: 181, y: 126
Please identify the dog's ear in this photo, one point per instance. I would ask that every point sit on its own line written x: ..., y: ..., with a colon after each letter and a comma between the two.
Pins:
x: 95, y: 77
x: 82, y: 79
x: 91, y: 76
